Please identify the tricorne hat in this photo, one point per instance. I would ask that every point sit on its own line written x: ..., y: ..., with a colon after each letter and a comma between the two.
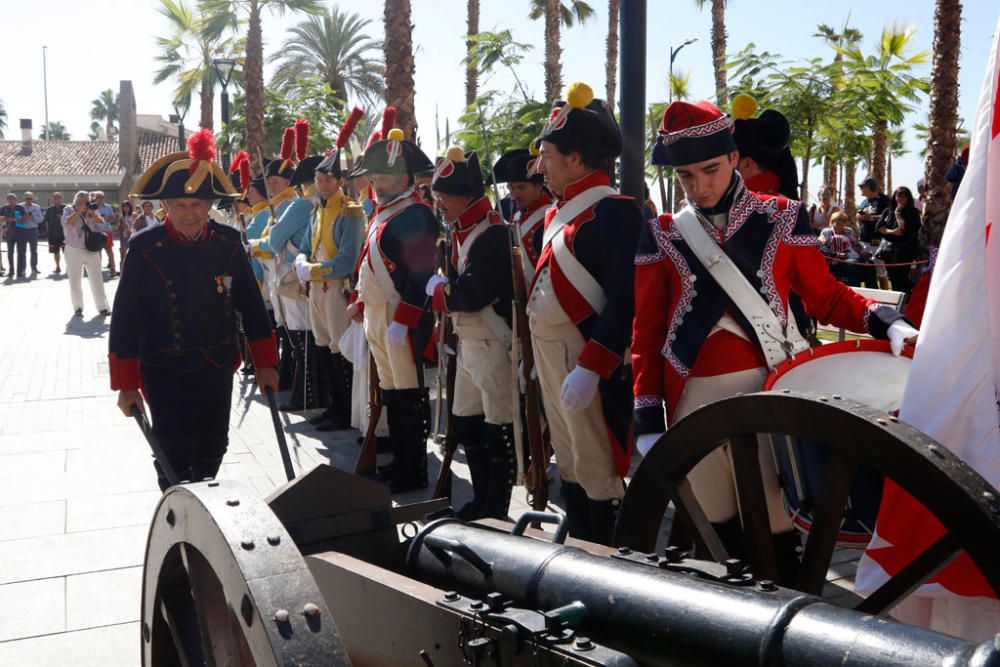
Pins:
x: 192, y: 174
x: 691, y: 133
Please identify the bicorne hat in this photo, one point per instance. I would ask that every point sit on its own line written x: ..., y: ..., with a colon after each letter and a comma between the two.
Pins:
x: 458, y: 173
x: 194, y: 174
x: 583, y: 124
x: 517, y: 165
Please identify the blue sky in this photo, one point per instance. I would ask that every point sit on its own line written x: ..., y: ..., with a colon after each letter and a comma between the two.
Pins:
x: 119, y: 44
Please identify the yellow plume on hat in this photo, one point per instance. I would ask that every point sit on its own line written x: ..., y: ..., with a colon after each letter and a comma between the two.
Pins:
x: 579, y: 95
x: 455, y: 154
x: 395, y: 134
x: 744, y: 106
x: 533, y: 149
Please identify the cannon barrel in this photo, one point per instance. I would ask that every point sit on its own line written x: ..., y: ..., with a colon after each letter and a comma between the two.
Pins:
x: 665, y: 618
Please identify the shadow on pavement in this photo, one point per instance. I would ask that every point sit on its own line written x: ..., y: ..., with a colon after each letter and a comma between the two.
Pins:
x: 95, y: 327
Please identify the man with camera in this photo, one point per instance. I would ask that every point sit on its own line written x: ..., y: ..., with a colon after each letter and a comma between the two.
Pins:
x: 79, y: 221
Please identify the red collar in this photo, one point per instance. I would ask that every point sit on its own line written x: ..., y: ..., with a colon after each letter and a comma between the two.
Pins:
x: 476, y: 211
x: 543, y: 201
x: 593, y: 179
x: 766, y: 183
x: 181, y: 238
x: 410, y: 193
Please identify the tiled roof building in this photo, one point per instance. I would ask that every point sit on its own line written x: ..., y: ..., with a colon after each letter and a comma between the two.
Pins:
x: 67, y: 166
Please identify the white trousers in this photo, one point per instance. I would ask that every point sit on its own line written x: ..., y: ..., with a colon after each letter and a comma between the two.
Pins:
x: 78, y: 259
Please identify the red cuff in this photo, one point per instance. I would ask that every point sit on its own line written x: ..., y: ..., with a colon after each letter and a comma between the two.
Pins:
x: 353, y: 297
x: 124, y: 373
x: 597, y: 358
x: 438, y: 303
x: 264, y: 352
x: 408, y: 314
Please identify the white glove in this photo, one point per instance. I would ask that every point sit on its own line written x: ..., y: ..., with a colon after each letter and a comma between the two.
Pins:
x: 579, y: 388
x: 433, y: 283
x: 898, y: 332
x: 521, y: 382
x: 396, y: 334
x: 303, y: 269
x: 646, y: 442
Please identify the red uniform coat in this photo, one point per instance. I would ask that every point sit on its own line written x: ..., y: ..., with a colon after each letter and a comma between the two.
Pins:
x: 678, y: 302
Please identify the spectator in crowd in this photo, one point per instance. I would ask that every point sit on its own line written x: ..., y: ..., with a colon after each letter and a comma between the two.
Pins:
x: 899, y: 228
x: 13, y: 217
x: 107, y: 212
x: 126, y: 220
x: 145, y: 218
x: 820, y: 215
x: 872, y: 206
x: 75, y: 219
x: 921, y: 195
x: 840, y: 244
x: 29, y: 233
x: 956, y: 172
x: 53, y: 225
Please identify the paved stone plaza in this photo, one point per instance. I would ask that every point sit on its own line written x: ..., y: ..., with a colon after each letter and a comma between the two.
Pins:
x: 77, y: 489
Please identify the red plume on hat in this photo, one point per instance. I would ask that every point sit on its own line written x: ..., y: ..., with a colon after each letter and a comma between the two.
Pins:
x: 376, y: 136
x: 237, y: 161
x: 287, y: 140
x: 347, y: 129
x: 388, y: 121
x: 201, y: 145
x: 301, y: 138
x: 241, y: 163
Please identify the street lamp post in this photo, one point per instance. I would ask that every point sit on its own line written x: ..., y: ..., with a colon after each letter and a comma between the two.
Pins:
x: 670, y: 98
x: 224, y: 71
x: 181, y: 109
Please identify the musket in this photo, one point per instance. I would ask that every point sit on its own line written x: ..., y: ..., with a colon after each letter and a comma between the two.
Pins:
x: 443, y: 486
x: 263, y: 171
x: 537, y: 481
x: 158, y: 454
x: 369, y: 447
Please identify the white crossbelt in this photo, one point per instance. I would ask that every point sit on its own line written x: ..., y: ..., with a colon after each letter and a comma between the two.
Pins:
x: 493, y: 322
x: 375, y: 253
x: 777, y: 343
x: 578, y: 275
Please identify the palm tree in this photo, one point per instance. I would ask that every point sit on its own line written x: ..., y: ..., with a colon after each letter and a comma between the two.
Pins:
x: 611, y: 62
x: 104, y: 107
x: 57, y: 132
x: 942, y: 132
x: 718, y: 47
x: 336, y: 47
x: 95, y: 131
x: 471, y: 72
x: 186, y: 55
x: 398, y: 48
x: 557, y: 13
x: 895, y: 146
x: 224, y: 15
x: 3, y: 119
x: 840, y: 39
x: 882, y: 86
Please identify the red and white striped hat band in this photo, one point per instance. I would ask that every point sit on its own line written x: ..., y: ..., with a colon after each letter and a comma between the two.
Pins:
x: 698, y: 131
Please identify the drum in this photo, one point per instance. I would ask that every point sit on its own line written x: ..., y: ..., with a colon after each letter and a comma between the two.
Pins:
x: 861, y: 370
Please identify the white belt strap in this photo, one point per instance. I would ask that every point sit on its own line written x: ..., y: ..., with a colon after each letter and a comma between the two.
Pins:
x: 375, y: 252
x: 778, y: 344
x: 574, y: 207
x: 497, y: 326
x: 578, y: 275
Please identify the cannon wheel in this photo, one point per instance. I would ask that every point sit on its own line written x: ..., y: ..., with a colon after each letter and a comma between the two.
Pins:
x: 856, y: 435
x: 224, y: 584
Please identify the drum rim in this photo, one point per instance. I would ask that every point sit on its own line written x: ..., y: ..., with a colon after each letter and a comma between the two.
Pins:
x: 829, y: 349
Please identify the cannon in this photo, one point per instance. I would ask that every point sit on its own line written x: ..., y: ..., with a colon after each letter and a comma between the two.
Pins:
x: 327, y: 571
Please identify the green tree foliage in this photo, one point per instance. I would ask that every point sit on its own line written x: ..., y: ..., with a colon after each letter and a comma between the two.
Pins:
x: 104, y: 108
x: 57, y: 132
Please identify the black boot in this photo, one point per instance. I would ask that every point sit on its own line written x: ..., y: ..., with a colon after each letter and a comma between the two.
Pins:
x: 468, y: 432
x: 602, y: 515
x: 286, y: 364
x: 503, y: 469
x: 409, y: 471
x: 324, y: 363
x: 577, y: 512
x: 316, y: 393
x: 787, y: 554
x: 392, y: 408
x: 341, y: 376
x: 297, y: 400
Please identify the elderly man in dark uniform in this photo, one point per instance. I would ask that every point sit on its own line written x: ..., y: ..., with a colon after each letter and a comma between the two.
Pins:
x: 398, y: 258
x: 580, y: 306
x: 477, y: 292
x: 174, y: 332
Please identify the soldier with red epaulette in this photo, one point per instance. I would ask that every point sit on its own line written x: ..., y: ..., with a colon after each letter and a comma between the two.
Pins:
x: 580, y: 307
x: 517, y: 168
x: 693, y: 342
x: 399, y: 256
x: 477, y: 294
